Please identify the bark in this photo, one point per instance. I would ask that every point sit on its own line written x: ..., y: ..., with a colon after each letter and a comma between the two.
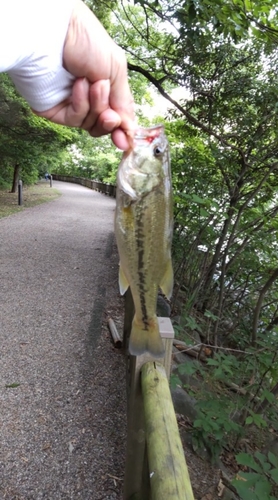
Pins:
x: 193, y: 351
x: 15, y: 178
x: 216, y: 257
x: 258, y: 307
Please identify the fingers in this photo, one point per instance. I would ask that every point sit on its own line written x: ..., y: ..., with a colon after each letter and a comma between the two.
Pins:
x: 73, y: 111
x: 79, y: 106
x: 121, y: 139
x: 99, y: 102
x: 102, y: 119
x: 89, y: 108
x: 89, y: 51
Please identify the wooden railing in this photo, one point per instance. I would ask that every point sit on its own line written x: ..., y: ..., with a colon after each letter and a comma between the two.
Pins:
x: 155, y: 464
x: 108, y: 189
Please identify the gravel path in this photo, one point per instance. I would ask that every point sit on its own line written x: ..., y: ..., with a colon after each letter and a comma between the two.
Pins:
x: 62, y: 384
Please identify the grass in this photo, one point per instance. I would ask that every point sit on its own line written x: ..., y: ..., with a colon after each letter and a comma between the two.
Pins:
x: 32, y: 196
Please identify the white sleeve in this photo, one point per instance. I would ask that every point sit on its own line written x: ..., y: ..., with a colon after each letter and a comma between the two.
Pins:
x: 32, y: 36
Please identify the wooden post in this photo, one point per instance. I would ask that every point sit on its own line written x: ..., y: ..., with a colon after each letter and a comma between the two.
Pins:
x: 168, y: 472
x: 20, y: 197
x: 114, y: 333
x: 167, y: 334
x: 137, y: 480
x: 129, y: 314
x: 136, y: 483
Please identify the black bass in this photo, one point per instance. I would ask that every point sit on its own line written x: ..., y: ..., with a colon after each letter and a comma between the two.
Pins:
x: 143, y: 228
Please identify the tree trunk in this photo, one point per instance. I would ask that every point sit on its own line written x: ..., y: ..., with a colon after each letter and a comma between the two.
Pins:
x: 258, y: 307
x: 15, y: 178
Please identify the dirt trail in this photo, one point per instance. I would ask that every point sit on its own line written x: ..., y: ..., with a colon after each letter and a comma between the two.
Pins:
x: 62, y: 384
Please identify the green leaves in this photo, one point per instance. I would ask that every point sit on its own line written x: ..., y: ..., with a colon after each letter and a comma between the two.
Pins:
x: 259, y: 484
x: 273, y: 459
x: 188, y: 368
x: 212, y: 427
x: 25, y: 139
x: 224, y: 365
x: 248, y: 460
x: 257, y: 419
x: 91, y: 158
x: 231, y: 18
x: 191, y: 323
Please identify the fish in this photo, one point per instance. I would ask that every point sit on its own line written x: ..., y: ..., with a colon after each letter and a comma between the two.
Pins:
x: 143, y: 230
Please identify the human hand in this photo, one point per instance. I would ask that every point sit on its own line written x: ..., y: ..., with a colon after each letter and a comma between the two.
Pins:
x: 101, y: 101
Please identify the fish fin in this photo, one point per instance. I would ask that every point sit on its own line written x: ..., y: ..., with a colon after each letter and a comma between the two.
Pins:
x: 167, y: 281
x: 123, y: 283
x: 145, y: 340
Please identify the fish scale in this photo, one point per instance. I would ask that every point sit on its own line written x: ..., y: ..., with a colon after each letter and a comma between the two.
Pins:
x: 143, y: 228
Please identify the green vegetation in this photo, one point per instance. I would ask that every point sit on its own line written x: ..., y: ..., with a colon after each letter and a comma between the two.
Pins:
x: 32, y: 195
x: 29, y: 145
x: 220, y: 59
x: 260, y: 482
x: 91, y: 158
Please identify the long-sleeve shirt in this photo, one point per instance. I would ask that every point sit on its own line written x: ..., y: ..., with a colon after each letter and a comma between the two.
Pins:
x: 32, y: 36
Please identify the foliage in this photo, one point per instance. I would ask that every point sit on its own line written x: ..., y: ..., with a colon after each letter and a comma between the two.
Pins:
x: 102, y: 11
x: 236, y: 19
x: 236, y: 393
x: 91, y: 158
x: 220, y: 57
x: 213, y: 428
x: 215, y: 63
x: 223, y: 134
x: 26, y: 140
x: 260, y: 482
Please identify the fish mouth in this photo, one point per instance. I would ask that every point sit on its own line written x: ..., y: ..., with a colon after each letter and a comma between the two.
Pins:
x: 148, y: 134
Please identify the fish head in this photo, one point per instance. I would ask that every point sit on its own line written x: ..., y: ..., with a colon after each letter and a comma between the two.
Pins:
x: 146, y: 165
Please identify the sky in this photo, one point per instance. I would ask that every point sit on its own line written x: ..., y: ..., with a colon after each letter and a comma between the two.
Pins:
x: 161, y: 105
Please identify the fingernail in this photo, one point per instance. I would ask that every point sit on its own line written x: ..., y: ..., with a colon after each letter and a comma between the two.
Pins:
x: 85, y: 84
x: 104, y: 91
x: 110, y: 125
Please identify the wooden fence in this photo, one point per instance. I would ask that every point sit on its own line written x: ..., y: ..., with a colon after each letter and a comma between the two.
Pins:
x: 108, y: 189
x: 155, y: 464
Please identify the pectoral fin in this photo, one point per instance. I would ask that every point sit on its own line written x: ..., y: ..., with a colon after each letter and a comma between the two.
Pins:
x: 167, y: 281
x: 123, y: 283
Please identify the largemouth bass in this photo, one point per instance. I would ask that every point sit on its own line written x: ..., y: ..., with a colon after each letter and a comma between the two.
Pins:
x: 143, y: 228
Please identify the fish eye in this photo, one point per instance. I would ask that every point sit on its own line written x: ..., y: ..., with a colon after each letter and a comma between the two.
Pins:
x: 157, y: 151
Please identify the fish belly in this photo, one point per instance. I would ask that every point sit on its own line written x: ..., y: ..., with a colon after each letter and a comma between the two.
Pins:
x: 143, y: 238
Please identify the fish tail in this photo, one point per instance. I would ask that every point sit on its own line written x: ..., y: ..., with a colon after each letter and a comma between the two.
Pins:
x: 145, y: 338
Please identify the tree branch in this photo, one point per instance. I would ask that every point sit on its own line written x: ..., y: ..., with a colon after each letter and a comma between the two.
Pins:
x: 189, y: 116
